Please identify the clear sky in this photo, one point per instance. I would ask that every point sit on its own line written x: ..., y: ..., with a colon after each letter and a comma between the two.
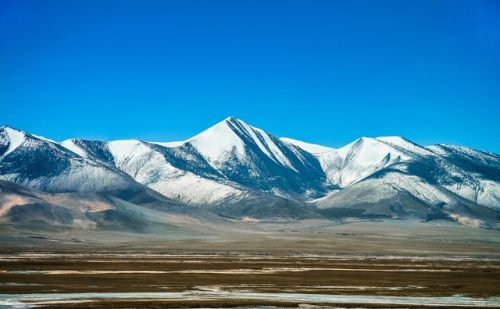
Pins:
x: 321, y: 71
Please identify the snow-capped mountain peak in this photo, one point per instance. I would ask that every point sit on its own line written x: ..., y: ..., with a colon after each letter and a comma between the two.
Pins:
x: 43, y: 164
x: 234, y: 163
x: 363, y: 157
x: 233, y: 138
x: 11, y: 137
x: 218, y: 142
x: 366, y: 155
x: 252, y: 157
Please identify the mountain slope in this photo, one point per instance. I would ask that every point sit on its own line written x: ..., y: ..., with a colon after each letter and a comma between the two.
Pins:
x: 468, y: 173
x: 255, y: 159
x: 179, y: 173
x: 235, y: 170
x: 362, y: 157
x: 229, y: 159
x: 393, y: 177
x: 182, y: 173
x: 392, y: 193
x: 42, y: 164
x: 28, y: 209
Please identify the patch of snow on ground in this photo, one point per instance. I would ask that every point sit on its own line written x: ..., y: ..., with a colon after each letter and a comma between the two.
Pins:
x: 23, y: 300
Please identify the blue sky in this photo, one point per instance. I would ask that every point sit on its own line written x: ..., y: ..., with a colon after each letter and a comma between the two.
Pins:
x: 321, y: 71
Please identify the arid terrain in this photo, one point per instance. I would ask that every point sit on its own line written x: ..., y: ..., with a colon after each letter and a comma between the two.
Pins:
x: 154, y: 279
x: 359, y: 264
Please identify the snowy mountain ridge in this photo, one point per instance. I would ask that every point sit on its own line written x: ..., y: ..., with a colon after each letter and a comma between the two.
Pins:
x: 236, y: 169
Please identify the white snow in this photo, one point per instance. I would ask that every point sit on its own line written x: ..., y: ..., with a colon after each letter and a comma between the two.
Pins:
x: 444, y: 149
x: 123, y: 150
x: 150, y: 168
x: 169, y: 144
x: 376, y: 190
x: 331, y: 163
x: 223, y: 141
x: 233, y: 140
x: 405, y: 145
x: 365, y: 156
x: 189, y: 188
x: 72, y: 146
x: 217, y: 143
x: 140, y: 161
x: 437, y: 149
x: 370, y: 151
x: 360, y: 158
x: 311, y: 148
x: 482, y: 191
x: 82, y: 175
x: 25, y: 300
x: 44, y: 139
x: 277, y: 155
x: 16, y: 139
x: 248, y: 130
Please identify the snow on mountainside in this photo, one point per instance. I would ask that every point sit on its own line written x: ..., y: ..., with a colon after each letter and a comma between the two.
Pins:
x: 367, y: 155
x: 362, y: 157
x: 167, y: 172
x: 42, y: 164
x: 404, y: 145
x: 426, y: 186
x: 26, y: 208
x: 235, y: 170
x: 12, y: 138
x: 169, y: 144
x: 470, y: 174
x: 394, y: 194
x: 232, y: 138
x: 71, y: 145
x: 312, y: 148
x: 257, y: 160
x: 230, y: 160
x: 179, y: 173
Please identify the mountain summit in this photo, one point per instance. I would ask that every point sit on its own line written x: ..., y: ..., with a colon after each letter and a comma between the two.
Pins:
x: 234, y: 169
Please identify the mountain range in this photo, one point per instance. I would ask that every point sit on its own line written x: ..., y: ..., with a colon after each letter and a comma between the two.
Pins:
x: 233, y: 171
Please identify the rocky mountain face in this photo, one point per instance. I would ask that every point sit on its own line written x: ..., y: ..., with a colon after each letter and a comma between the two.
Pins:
x: 235, y: 170
x: 46, y: 165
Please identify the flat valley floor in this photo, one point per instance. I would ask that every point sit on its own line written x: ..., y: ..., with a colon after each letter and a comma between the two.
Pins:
x: 285, y: 265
